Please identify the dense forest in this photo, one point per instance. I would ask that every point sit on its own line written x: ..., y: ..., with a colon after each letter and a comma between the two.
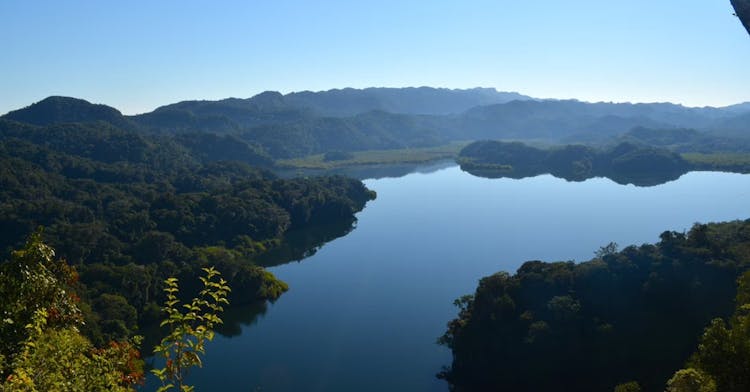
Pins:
x: 630, y: 315
x: 41, y: 345
x: 129, y: 209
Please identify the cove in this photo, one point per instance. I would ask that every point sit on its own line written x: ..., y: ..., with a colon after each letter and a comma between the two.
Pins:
x: 364, y: 311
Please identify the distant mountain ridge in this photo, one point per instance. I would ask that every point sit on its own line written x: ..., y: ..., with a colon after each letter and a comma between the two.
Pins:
x: 553, y: 119
x: 410, y: 100
x: 297, y: 124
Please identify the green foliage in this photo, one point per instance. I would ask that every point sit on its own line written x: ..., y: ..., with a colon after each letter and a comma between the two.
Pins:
x: 61, y: 359
x: 691, y: 380
x: 630, y: 314
x: 118, y: 317
x: 33, y: 281
x: 57, y: 109
x: 723, y: 356
x: 190, y: 327
x: 631, y: 386
x: 361, y: 132
x: 212, y: 147
x: 42, y: 348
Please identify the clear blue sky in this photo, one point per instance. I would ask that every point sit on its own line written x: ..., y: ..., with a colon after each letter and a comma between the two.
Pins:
x: 137, y: 55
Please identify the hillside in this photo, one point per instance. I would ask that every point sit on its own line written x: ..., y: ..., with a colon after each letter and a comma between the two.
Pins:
x: 636, y: 314
x: 275, y: 126
x: 56, y: 110
x: 129, y: 209
x: 557, y: 120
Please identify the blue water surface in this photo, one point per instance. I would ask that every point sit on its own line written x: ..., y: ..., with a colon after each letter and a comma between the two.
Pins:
x: 364, y: 312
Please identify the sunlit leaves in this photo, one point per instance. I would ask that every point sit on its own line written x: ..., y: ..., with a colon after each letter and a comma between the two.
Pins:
x: 190, y: 327
x: 42, y: 347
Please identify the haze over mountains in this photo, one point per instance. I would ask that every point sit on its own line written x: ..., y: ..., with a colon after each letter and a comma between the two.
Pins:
x: 276, y: 126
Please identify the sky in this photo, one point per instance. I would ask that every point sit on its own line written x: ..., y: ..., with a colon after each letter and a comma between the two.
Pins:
x: 137, y: 55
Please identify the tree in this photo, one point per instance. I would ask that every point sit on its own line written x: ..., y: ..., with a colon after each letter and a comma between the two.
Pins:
x: 42, y: 348
x: 33, y: 281
x: 606, y: 250
x: 631, y: 386
x: 691, y: 380
x: 722, y: 361
x: 61, y: 359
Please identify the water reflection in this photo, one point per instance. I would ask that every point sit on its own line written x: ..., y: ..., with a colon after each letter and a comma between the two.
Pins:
x: 639, y: 179
x: 363, y: 313
x: 235, y: 317
x: 300, y: 244
x: 364, y: 172
x: 295, y: 246
x: 653, y: 177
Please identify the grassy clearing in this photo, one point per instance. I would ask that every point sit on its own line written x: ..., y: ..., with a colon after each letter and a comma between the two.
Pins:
x: 737, y: 162
x: 377, y: 157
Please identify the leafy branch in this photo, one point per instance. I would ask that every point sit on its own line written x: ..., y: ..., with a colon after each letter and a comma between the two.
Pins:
x: 191, y: 326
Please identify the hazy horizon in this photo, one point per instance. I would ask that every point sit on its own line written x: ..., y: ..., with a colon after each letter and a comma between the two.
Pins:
x: 363, y: 88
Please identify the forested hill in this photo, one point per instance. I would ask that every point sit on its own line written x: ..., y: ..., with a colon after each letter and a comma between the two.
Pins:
x: 636, y: 314
x: 55, y: 110
x: 297, y: 124
x: 129, y: 209
x: 624, y: 163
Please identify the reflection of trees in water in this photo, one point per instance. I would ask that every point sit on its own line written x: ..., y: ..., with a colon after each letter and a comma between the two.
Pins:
x: 624, y: 163
x: 242, y: 315
x: 300, y: 244
x: 234, y: 317
x: 295, y: 246
x: 638, y: 179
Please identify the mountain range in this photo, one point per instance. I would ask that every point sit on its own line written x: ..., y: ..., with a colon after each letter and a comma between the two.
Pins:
x: 303, y: 123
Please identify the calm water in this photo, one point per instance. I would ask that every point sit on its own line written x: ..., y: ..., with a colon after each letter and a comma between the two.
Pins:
x: 363, y: 313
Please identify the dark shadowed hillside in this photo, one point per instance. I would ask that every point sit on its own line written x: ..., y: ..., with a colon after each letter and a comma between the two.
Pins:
x: 54, y: 110
x: 636, y: 314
